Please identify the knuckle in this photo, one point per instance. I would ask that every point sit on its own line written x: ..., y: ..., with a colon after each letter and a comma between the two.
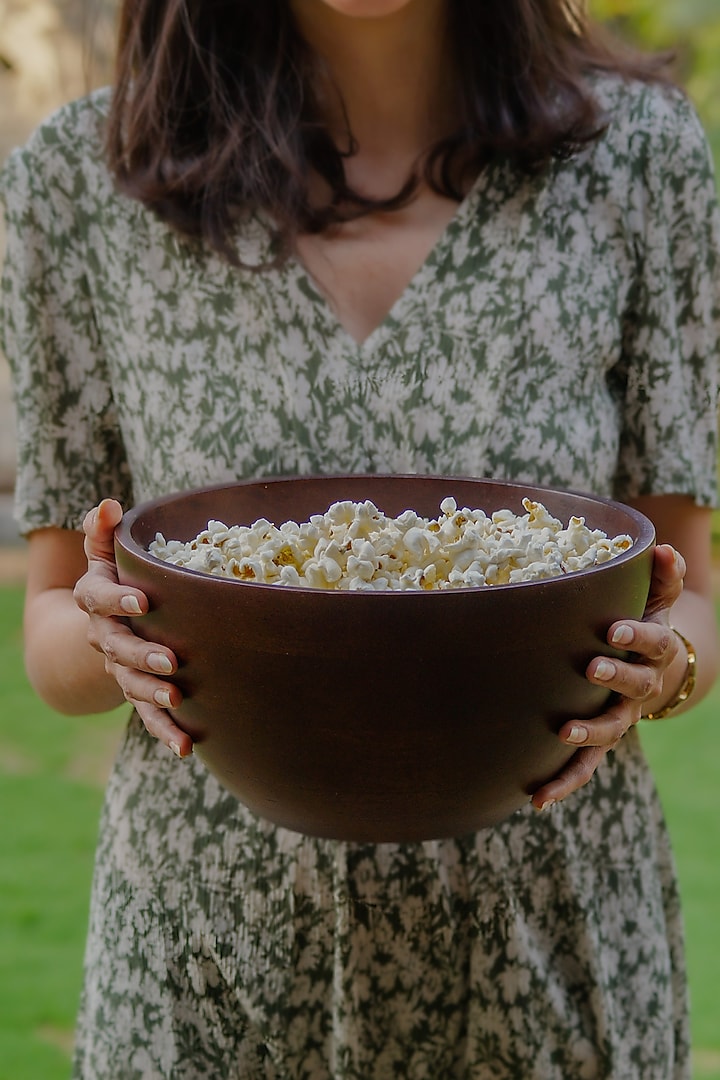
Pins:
x: 150, y: 723
x: 585, y: 771
x: 90, y: 519
x: 118, y: 675
x: 81, y: 596
x: 89, y: 602
x: 125, y: 684
x: 657, y: 684
x: 647, y: 686
x: 667, y: 642
x: 110, y: 648
x: 584, y: 766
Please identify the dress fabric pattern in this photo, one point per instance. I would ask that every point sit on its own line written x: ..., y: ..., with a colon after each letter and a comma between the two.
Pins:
x: 563, y: 331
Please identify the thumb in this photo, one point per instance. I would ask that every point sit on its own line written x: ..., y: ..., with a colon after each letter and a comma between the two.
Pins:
x: 99, y: 528
x: 667, y: 579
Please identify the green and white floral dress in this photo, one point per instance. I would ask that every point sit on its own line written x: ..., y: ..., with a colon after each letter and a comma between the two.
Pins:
x: 563, y: 331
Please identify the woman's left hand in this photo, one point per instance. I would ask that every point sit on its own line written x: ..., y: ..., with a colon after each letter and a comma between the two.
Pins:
x: 654, y: 645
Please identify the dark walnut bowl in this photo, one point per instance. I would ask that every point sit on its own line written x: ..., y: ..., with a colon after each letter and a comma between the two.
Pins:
x: 398, y: 716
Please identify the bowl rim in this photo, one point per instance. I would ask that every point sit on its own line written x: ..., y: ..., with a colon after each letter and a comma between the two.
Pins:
x: 123, y: 535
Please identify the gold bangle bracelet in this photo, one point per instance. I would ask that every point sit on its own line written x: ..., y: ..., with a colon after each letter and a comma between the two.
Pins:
x: 688, y: 683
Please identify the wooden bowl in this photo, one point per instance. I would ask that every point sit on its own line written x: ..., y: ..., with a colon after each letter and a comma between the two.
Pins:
x: 398, y: 716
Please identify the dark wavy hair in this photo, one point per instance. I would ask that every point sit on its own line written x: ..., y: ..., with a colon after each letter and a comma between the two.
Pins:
x: 213, y: 113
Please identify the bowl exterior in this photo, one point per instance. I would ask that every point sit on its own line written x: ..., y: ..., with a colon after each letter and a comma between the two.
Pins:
x: 380, y: 717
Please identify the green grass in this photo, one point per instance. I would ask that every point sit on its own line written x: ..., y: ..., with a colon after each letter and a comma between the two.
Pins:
x: 685, y: 757
x: 52, y: 771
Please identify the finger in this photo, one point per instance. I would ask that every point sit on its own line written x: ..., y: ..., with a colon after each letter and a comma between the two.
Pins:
x: 151, y: 699
x: 637, y: 681
x: 126, y: 650
x: 139, y: 686
x: 655, y: 646
x: 650, y: 640
x: 162, y: 727
x: 98, y: 593
x: 668, y: 564
x: 90, y: 593
x: 99, y: 528
x: 603, y: 731
x: 666, y: 584
x: 575, y: 775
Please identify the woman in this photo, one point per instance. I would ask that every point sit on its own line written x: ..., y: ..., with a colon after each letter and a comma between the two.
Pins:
x: 351, y: 235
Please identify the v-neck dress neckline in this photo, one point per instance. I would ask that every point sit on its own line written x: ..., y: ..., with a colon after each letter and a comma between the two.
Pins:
x: 331, y: 325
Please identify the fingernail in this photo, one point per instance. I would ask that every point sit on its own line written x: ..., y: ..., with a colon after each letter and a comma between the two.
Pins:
x: 159, y: 662
x: 162, y: 698
x: 622, y: 636
x: 604, y: 671
x: 131, y: 605
x: 577, y: 734
x: 546, y: 805
x: 175, y: 747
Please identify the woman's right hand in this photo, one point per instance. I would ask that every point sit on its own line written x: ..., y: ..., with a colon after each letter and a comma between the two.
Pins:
x: 134, y: 664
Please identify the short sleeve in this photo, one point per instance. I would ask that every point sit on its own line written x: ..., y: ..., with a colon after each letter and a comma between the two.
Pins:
x: 70, y: 449
x: 667, y: 380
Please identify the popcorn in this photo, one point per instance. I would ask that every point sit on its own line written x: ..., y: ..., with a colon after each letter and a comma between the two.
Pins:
x: 355, y: 546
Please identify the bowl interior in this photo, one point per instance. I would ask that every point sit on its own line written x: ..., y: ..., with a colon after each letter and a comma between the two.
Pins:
x: 183, y: 515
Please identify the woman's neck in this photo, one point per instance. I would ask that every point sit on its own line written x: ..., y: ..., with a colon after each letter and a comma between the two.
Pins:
x: 389, y: 76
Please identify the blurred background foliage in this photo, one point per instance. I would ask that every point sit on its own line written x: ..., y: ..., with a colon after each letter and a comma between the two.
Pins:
x: 690, y: 29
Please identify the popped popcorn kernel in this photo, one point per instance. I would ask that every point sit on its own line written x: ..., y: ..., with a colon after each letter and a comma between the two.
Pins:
x: 356, y: 547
